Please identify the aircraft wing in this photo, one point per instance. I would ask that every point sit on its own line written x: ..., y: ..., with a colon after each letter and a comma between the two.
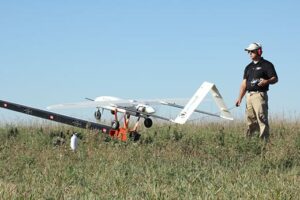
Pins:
x: 89, y: 104
x: 162, y: 101
x: 118, y: 103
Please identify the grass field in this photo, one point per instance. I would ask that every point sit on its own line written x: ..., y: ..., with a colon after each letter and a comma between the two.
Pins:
x: 204, y: 161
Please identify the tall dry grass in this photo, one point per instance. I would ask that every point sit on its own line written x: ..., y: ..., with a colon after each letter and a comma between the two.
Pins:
x: 195, y: 161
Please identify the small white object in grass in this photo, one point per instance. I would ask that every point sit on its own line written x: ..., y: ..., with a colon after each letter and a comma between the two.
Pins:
x: 74, y: 142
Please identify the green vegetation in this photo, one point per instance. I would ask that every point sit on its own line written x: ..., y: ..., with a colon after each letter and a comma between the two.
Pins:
x: 204, y: 161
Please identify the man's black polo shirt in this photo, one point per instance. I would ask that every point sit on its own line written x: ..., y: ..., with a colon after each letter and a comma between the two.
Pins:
x: 253, y: 72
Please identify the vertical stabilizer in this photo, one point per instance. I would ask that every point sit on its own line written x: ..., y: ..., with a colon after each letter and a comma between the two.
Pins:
x: 193, y: 103
x: 220, y: 103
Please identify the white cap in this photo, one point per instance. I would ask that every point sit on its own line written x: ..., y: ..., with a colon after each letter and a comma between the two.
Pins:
x: 253, y: 46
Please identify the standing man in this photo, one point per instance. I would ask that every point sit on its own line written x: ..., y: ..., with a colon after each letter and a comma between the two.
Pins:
x: 258, y: 75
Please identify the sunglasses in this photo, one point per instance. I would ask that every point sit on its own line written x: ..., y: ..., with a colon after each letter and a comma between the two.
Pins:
x: 253, y: 51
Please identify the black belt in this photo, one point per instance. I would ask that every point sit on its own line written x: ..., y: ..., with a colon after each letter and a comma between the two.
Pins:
x: 256, y: 91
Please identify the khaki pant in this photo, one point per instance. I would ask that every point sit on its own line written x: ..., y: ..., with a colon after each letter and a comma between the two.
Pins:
x: 257, y: 114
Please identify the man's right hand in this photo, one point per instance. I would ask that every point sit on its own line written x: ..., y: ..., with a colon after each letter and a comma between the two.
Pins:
x: 238, y: 102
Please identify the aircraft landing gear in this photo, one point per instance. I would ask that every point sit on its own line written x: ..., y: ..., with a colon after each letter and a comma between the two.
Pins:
x: 115, y: 124
x: 148, y: 122
x: 97, y: 115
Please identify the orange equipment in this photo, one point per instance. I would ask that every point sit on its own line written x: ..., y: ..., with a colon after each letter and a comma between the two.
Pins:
x: 122, y: 133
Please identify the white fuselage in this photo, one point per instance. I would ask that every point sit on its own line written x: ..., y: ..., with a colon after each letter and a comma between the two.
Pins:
x: 121, y: 105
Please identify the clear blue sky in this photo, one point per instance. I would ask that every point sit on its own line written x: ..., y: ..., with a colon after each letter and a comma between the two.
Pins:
x: 62, y: 51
